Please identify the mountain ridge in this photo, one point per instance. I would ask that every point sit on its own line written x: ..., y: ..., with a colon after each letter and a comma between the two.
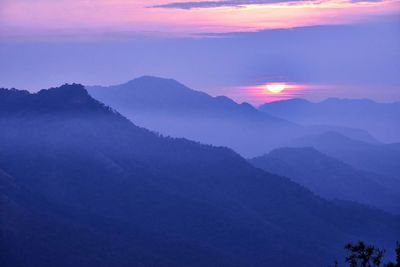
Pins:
x: 169, y: 107
x: 165, y: 90
x: 165, y: 194
x: 379, y: 119
x: 331, y: 178
x: 372, y: 157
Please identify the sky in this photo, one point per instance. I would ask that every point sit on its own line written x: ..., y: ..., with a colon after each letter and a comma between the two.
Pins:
x: 315, y: 48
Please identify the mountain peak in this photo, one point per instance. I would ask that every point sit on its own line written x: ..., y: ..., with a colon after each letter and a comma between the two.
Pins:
x: 152, y: 78
x: 155, y: 82
x: 68, y: 97
x: 66, y: 90
x: 294, y: 100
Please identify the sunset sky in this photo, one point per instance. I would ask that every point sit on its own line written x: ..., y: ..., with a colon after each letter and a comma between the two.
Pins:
x: 318, y: 48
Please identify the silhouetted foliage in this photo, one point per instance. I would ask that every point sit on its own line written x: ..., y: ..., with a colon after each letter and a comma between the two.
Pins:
x: 397, y: 263
x: 361, y: 254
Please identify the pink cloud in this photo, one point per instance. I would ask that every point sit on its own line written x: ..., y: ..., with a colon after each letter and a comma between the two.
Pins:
x: 28, y: 17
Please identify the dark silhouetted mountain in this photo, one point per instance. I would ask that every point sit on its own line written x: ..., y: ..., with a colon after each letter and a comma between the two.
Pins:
x: 37, y: 232
x: 379, y: 119
x: 170, y: 108
x: 83, y: 186
x: 331, y: 178
x: 378, y: 158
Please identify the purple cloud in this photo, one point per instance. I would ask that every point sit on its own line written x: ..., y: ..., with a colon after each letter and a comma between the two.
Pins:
x: 223, y: 3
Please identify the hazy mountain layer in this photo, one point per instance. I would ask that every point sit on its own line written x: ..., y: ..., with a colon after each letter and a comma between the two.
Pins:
x: 379, y: 119
x: 83, y: 185
x: 168, y: 107
x: 332, y: 178
x: 379, y: 158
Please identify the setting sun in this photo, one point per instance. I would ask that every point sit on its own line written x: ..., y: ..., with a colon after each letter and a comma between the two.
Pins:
x: 276, y: 88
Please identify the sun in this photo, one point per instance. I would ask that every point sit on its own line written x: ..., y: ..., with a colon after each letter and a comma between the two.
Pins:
x: 275, y: 88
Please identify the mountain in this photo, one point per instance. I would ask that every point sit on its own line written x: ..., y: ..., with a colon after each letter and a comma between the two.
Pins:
x: 37, y: 232
x: 171, y: 108
x: 331, y: 178
x: 83, y: 186
x: 151, y: 94
x: 379, y: 119
x: 378, y: 158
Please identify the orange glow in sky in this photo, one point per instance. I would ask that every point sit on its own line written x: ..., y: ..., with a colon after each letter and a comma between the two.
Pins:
x: 275, y: 88
x: 275, y: 91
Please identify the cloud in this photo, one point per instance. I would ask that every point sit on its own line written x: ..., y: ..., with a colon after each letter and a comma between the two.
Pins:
x: 362, y: 59
x: 225, y: 3
x: 366, y: 1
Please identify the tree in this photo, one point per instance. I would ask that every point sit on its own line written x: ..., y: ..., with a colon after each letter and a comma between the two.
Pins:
x: 363, y: 255
x: 397, y: 264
